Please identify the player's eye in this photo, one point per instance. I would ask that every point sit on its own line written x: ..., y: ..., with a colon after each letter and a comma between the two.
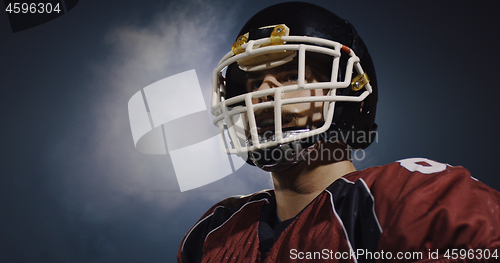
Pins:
x: 254, y: 85
x: 290, y: 78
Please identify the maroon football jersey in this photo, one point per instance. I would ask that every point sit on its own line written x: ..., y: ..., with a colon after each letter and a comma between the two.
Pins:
x: 411, y: 210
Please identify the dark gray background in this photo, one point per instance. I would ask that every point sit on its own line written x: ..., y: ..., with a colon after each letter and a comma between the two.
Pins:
x: 74, y: 189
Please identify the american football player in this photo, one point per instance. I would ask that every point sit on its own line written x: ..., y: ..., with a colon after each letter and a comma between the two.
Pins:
x: 295, y: 95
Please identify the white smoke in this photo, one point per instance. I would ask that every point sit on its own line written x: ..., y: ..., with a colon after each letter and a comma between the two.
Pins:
x: 108, y: 172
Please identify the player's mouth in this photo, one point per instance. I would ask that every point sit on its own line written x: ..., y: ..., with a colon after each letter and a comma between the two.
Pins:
x: 265, y: 122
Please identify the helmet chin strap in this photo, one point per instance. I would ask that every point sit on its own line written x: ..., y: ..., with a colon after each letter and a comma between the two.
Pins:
x: 287, y: 155
x: 284, y: 155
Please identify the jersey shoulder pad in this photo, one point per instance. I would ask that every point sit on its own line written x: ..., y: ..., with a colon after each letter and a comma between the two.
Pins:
x: 191, y: 248
x: 411, y: 170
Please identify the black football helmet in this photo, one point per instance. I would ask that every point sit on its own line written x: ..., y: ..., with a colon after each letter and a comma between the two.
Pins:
x: 305, y: 36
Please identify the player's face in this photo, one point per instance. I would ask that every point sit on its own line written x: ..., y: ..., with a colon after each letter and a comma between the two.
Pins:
x: 300, y: 115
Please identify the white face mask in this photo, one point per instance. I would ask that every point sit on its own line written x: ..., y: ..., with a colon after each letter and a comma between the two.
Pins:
x: 240, y: 118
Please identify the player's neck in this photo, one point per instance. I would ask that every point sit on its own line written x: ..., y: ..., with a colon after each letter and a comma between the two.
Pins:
x: 296, y: 187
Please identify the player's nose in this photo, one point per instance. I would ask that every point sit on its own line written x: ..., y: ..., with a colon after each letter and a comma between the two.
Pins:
x: 268, y: 82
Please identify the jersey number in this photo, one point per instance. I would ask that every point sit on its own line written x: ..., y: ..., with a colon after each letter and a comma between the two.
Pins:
x: 422, y: 165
